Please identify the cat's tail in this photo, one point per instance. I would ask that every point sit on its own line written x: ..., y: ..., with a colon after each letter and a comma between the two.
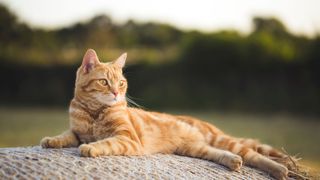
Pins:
x: 263, y: 149
x: 230, y: 143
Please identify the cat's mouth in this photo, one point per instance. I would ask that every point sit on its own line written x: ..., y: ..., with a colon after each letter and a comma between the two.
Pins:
x: 108, y: 99
x: 112, y: 101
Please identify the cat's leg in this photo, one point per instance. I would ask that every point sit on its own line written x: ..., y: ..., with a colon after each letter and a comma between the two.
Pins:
x: 204, y: 151
x: 116, y: 145
x: 66, y: 139
x: 250, y: 156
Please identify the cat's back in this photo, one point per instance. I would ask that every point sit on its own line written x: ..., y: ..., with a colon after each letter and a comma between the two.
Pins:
x: 169, y: 121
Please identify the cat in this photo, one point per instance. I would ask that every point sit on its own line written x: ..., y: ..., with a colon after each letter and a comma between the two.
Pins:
x: 101, y: 124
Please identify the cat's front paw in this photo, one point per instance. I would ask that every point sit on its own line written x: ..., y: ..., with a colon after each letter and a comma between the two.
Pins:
x: 88, y: 150
x: 233, y: 161
x: 49, y: 142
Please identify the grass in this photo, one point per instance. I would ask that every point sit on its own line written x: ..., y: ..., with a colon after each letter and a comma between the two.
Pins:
x: 298, y: 135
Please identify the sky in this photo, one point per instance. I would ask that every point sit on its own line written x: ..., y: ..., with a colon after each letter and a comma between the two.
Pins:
x: 300, y: 16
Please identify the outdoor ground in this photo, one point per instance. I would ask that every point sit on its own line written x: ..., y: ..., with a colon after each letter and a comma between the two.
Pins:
x: 297, y: 134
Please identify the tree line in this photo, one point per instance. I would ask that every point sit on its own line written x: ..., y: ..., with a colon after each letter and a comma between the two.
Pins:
x: 269, y: 69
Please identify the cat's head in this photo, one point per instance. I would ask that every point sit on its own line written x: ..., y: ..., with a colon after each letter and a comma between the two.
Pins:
x: 101, y: 83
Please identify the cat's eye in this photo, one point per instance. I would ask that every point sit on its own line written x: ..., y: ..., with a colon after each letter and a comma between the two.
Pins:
x: 122, y: 82
x: 103, y: 82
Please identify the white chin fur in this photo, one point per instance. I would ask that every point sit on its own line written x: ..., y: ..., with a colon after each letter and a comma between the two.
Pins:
x: 108, y: 99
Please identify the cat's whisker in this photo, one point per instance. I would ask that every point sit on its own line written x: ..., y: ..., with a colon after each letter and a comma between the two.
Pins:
x: 131, y: 102
x: 133, y: 97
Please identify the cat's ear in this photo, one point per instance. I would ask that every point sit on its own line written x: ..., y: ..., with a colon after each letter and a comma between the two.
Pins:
x: 121, y: 61
x: 90, y: 60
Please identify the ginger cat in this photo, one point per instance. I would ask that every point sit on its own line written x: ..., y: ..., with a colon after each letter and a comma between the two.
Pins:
x: 102, y: 124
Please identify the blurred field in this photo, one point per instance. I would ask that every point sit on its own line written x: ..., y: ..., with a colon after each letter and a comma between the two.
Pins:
x: 298, y: 135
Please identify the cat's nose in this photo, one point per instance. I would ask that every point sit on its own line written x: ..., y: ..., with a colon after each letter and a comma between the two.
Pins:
x: 115, y: 93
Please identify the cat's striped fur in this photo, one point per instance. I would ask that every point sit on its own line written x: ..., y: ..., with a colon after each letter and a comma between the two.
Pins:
x: 101, y: 123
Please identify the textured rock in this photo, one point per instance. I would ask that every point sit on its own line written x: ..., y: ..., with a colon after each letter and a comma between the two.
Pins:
x: 38, y: 163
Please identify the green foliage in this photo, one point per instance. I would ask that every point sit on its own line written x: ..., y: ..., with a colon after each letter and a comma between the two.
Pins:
x: 269, y: 69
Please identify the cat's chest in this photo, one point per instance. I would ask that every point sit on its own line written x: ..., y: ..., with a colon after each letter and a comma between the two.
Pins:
x: 93, y: 130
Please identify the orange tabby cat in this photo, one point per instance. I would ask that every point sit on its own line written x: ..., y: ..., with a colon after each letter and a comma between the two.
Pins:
x: 102, y: 124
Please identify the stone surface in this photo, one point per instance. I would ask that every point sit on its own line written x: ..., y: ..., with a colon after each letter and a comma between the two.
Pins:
x: 38, y: 163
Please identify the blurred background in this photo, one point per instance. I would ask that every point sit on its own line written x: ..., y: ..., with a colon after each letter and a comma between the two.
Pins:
x: 250, y: 67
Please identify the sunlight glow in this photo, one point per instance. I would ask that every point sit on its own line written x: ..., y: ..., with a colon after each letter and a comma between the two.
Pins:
x: 301, y: 16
